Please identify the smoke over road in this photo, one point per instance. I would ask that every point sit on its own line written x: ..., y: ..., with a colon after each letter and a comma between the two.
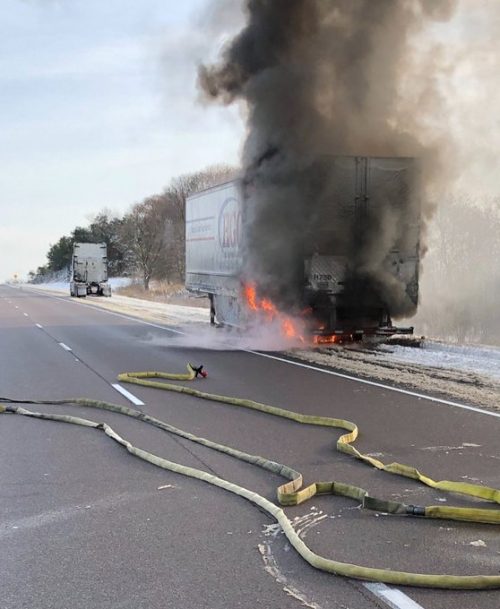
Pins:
x: 331, y: 77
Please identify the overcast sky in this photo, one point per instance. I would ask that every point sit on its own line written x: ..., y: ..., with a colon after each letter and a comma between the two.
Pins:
x: 99, y: 108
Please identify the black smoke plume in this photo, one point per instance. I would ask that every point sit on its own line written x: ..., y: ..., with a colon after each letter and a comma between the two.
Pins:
x: 323, y: 78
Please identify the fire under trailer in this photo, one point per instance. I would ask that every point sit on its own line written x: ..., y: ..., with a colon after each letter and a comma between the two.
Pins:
x: 89, y: 270
x: 359, y: 189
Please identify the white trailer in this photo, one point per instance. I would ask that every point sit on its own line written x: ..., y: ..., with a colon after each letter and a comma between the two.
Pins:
x: 214, y: 248
x: 215, y: 224
x: 89, y: 270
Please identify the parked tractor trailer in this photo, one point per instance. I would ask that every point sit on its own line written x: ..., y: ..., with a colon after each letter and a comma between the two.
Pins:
x: 359, y: 188
x: 89, y: 270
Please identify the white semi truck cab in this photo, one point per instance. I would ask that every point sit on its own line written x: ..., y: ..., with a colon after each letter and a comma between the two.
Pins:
x: 89, y: 270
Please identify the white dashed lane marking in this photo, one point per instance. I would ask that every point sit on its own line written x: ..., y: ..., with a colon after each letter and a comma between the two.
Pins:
x: 392, y: 596
x: 130, y: 396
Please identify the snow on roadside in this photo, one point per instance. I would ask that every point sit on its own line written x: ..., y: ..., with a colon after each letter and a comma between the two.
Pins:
x: 144, y: 309
x: 118, y: 282
x: 155, y: 311
x: 466, y: 374
x: 55, y: 286
x: 63, y: 286
x: 469, y: 358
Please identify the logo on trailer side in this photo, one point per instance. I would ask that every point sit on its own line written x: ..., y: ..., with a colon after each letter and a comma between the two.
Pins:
x: 230, y: 227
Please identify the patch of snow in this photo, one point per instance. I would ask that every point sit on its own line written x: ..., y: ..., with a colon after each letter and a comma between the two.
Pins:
x: 465, y: 373
x: 136, y: 307
x: 479, y: 543
x: 478, y: 359
x: 54, y: 286
x: 468, y: 374
x: 119, y: 282
x: 63, y: 286
x: 161, y: 311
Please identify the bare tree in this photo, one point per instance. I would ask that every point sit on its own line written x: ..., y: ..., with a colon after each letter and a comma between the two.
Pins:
x: 143, y: 233
x: 150, y: 238
x: 174, y: 198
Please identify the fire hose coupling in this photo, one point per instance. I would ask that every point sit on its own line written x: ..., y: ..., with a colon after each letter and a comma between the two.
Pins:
x: 8, y: 408
x: 415, y: 510
x: 198, y: 371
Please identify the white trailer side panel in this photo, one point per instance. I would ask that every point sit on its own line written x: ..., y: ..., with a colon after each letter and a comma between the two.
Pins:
x: 213, y: 239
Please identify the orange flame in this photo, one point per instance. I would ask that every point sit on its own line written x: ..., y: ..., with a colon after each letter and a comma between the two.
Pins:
x: 251, y: 296
x: 288, y: 327
x: 325, y: 340
x: 330, y: 339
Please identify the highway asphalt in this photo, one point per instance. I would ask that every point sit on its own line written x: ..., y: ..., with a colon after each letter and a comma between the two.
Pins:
x: 85, y: 525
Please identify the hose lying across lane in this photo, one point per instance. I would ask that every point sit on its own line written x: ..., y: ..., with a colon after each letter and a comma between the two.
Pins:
x: 292, y: 493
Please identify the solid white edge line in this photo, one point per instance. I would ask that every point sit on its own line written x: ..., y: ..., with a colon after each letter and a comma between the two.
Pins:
x: 302, y: 365
x: 39, y: 326
x: 392, y: 596
x: 129, y: 317
x: 130, y: 396
x: 375, y: 384
x: 65, y: 347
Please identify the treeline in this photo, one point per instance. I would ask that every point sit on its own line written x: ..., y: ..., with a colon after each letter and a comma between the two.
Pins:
x: 147, y: 241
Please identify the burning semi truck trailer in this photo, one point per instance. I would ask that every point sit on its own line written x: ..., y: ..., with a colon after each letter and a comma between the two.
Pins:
x: 339, y: 295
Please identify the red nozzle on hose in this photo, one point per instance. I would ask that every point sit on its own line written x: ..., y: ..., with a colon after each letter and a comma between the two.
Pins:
x: 199, y: 371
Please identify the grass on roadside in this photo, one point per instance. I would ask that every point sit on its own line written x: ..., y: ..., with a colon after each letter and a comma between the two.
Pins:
x: 163, y: 291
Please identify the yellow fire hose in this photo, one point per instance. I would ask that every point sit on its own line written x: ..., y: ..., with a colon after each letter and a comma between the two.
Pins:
x: 292, y: 493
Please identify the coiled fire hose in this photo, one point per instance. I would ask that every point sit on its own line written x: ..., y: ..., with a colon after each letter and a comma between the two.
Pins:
x: 292, y: 493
